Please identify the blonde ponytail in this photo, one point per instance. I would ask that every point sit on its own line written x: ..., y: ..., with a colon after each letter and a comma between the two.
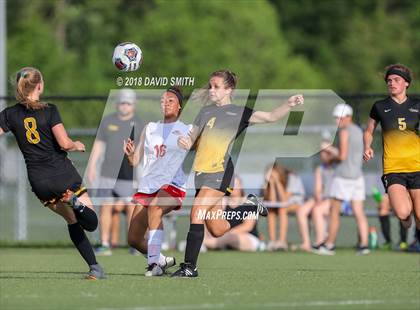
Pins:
x: 27, y: 79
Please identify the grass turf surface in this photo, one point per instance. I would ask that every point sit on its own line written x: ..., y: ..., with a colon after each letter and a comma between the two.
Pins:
x: 51, y: 279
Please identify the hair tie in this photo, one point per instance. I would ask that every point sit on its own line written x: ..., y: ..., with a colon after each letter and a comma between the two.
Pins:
x: 21, y: 74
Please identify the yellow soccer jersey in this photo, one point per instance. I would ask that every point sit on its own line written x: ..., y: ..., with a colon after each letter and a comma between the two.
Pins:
x: 400, y: 134
x: 218, y: 127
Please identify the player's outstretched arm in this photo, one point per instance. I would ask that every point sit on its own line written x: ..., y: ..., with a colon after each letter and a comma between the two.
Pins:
x: 64, y: 141
x: 134, y: 154
x: 1, y: 131
x: 260, y: 117
x: 368, y: 139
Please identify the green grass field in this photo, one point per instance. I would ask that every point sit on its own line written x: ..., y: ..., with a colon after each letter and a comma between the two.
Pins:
x: 51, y: 279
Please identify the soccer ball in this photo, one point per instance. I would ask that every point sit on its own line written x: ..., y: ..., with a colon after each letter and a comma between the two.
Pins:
x: 127, y: 57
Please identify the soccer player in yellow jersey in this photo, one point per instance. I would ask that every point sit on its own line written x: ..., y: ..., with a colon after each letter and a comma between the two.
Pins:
x: 215, y: 128
x: 399, y: 117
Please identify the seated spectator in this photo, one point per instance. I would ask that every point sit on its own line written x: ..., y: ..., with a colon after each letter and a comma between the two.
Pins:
x: 295, y: 197
x: 286, y: 189
x: 275, y: 192
x: 319, y: 205
x: 244, y: 234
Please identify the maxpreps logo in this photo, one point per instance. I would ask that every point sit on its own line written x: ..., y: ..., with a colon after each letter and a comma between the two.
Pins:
x: 204, y: 215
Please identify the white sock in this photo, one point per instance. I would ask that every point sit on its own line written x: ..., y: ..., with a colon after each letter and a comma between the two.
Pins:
x: 162, y: 260
x: 154, y: 244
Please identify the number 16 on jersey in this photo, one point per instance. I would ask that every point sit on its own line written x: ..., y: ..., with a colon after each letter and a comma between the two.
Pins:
x: 160, y: 150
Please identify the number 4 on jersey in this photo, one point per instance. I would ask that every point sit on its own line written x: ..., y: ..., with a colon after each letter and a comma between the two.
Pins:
x: 210, y: 123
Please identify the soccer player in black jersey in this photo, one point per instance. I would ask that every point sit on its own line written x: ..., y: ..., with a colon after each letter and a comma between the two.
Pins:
x: 215, y: 128
x: 399, y: 116
x: 44, y: 143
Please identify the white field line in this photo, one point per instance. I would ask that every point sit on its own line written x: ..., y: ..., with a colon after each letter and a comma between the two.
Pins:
x: 273, y: 305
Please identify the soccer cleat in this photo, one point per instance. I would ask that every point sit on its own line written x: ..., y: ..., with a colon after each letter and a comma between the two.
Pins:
x: 103, y: 251
x: 323, y: 250
x: 315, y: 248
x: 271, y: 246
x: 259, y: 205
x: 74, y: 203
x: 153, y: 270
x: 300, y: 248
x: 96, y: 272
x: 186, y: 270
x: 281, y: 246
x: 414, y: 247
x: 362, y: 251
x: 169, y: 262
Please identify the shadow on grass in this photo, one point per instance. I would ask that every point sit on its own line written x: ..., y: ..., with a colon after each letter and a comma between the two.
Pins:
x: 22, y: 274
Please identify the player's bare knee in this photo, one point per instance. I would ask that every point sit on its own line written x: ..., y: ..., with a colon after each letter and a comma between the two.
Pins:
x: 216, y: 231
x: 154, y: 210
x: 197, y: 215
x: 403, y: 214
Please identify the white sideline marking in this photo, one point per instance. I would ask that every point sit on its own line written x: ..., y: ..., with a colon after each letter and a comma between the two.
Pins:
x: 178, y: 307
x: 272, y: 305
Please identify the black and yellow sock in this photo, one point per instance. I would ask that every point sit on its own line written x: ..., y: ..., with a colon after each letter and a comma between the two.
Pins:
x: 81, y: 242
x: 195, y: 239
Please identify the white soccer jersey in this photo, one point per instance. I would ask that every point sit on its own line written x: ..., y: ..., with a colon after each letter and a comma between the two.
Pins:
x: 162, y: 158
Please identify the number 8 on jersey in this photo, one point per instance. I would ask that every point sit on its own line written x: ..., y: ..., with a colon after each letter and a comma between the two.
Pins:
x: 32, y: 135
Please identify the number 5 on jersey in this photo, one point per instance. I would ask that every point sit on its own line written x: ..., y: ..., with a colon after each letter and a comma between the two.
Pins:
x: 402, y: 125
x: 160, y: 150
x: 32, y: 135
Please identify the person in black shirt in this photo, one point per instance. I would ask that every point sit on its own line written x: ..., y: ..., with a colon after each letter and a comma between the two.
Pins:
x: 216, y: 126
x: 243, y: 235
x: 116, y: 175
x: 399, y: 116
x: 43, y: 141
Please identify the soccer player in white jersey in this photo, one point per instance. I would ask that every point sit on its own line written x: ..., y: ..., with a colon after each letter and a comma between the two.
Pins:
x: 162, y: 181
